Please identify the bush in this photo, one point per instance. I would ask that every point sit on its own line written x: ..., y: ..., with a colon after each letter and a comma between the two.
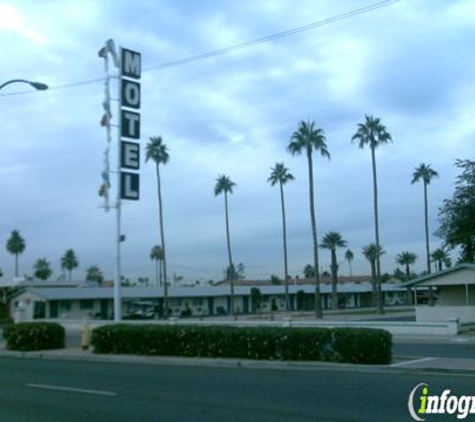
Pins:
x: 27, y: 336
x: 351, y: 345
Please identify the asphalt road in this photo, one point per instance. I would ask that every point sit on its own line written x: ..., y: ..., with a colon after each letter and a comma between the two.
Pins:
x: 36, y: 390
x: 443, y: 350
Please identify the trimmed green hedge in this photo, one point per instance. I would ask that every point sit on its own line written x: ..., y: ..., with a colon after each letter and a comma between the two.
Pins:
x: 354, y: 345
x: 27, y: 336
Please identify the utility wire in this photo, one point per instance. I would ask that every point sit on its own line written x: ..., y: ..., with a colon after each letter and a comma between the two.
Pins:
x: 240, y: 46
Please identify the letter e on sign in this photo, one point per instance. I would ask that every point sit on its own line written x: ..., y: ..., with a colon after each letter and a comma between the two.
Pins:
x: 130, y: 155
x: 131, y: 64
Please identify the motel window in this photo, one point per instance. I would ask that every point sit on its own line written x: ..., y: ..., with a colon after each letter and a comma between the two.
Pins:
x: 86, y: 304
x: 65, y: 305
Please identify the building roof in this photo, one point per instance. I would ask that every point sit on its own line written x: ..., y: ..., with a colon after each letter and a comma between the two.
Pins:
x: 445, y: 277
x: 190, y: 292
x: 324, y: 279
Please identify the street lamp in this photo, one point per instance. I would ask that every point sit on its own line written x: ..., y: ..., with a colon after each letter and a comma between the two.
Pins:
x: 37, y: 85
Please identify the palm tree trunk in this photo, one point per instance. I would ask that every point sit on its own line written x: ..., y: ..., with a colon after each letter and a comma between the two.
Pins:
x: 426, y: 220
x: 408, y: 289
x: 334, y: 269
x: 231, y: 271
x: 351, y: 272
x: 373, y: 284
x: 284, y: 231
x: 162, y: 238
x: 318, y: 298
x: 376, y: 229
x: 156, y: 272
x: 70, y: 271
x: 16, y: 265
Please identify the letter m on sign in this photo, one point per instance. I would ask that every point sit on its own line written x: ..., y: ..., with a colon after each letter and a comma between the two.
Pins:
x: 131, y: 64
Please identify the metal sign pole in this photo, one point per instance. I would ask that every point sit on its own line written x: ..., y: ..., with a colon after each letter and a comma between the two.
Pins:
x: 117, y: 281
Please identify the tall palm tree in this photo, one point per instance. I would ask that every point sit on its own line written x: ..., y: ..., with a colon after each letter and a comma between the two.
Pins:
x: 16, y: 246
x: 441, y: 257
x: 372, y: 252
x: 69, y: 262
x: 157, y: 151
x: 305, y: 140
x: 156, y: 254
x: 426, y: 174
x: 42, y: 269
x: 225, y: 185
x: 373, y: 133
x: 406, y: 259
x: 349, y: 256
x: 281, y: 175
x: 331, y: 241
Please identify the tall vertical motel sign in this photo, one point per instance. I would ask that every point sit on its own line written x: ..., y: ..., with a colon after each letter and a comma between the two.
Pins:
x: 128, y: 63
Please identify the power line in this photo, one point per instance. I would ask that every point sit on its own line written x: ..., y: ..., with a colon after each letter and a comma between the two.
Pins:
x: 240, y: 46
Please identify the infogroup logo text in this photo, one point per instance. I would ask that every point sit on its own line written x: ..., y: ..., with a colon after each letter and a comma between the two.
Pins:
x: 420, y: 403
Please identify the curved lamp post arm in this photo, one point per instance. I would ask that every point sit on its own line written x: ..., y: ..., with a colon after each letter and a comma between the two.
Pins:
x: 37, y: 85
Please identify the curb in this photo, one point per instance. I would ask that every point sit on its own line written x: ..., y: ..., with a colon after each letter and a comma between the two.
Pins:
x: 88, y: 356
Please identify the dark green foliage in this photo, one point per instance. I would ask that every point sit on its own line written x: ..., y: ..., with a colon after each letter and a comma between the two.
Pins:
x: 353, y: 345
x: 27, y: 336
x: 456, y: 215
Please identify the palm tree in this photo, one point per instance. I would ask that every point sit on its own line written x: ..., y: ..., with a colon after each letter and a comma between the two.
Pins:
x: 373, y: 133
x: 16, y: 246
x: 306, y: 139
x: 94, y: 274
x: 225, y: 185
x: 349, y: 256
x: 156, y: 151
x: 42, y: 269
x: 441, y: 257
x: 281, y: 175
x: 69, y: 262
x: 156, y: 254
x: 331, y: 241
x: 406, y: 259
x: 426, y: 174
x: 372, y: 252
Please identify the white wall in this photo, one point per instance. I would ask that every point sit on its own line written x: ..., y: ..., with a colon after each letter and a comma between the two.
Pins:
x: 443, y: 313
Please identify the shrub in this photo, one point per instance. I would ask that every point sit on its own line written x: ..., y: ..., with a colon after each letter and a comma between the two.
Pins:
x: 27, y: 336
x: 351, y: 345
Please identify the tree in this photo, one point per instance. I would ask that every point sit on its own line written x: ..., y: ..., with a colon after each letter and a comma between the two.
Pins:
x: 406, y: 259
x: 240, y: 271
x: 69, y: 262
x: 95, y: 275
x: 281, y: 175
x: 426, y: 174
x: 349, y: 256
x: 157, y: 151
x: 441, y: 257
x: 308, y: 271
x: 156, y: 254
x: 225, y: 185
x: 274, y: 279
x: 332, y: 241
x: 456, y: 215
x: 42, y: 269
x: 256, y: 299
x: 305, y: 140
x: 16, y: 246
x: 373, y: 133
x: 372, y: 253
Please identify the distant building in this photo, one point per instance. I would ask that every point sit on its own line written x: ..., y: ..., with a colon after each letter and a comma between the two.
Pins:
x: 97, y: 302
x: 455, y: 294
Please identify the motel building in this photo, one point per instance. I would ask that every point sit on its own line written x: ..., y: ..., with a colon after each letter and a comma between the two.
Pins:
x: 455, y: 295
x: 29, y: 303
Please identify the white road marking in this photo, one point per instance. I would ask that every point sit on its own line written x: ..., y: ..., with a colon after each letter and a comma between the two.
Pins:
x: 73, y: 390
x: 411, y: 362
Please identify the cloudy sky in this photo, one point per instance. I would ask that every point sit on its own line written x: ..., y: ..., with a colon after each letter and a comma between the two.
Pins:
x: 410, y: 63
